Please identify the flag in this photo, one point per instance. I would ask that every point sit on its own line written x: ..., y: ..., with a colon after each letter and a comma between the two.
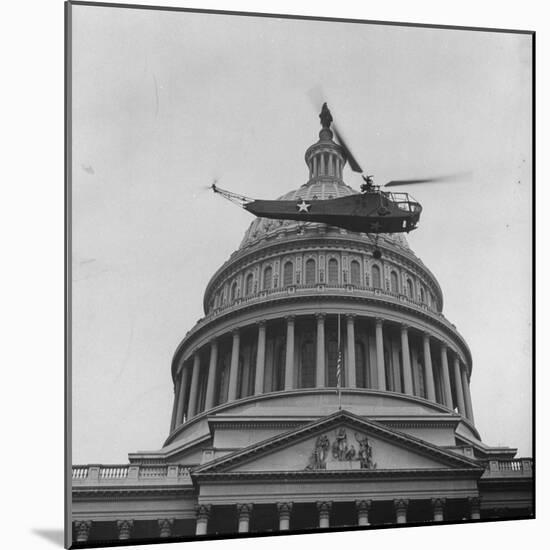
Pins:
x: 339, y: 368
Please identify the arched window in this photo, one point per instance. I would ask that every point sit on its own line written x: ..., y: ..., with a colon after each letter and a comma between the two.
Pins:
x: 410, y: 289
x: 310, y: 272
x: 248, y: 284
x: 267, y: 278
x: 394, y: 286
x: 376, y: 283
x: 288, y: 274
x: 355, y: 274
x: 307, y: 370
x: 422, y: 295
x: 333, y: 271
x: 233, y: 290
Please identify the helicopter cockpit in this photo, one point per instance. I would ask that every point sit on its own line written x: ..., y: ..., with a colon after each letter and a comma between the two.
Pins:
x: 404, y: 201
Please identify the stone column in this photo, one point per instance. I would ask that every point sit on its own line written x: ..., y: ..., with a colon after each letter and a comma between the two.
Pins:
x: 284, y: 509
x: 260, y: 360
x: 194, y: 391
x: 203, y: 513
x: 184, y: 380
x: 350, y: 367
x: 212, y: 376
x: 428, y: 369
x: 82, y: 529
x: 177, y: 387
x: 400, y: 506
x: 380, y: 367
x: 407, y: 371
x: 363, y: 507
x: 124, y: 527
x: 458, y: 386
x: 324, y: 514
x: 165, y: 527
x: 446, y: 379
x: 467, y: 396
x: 438, y: 505
x: 475, y: 507
x: 289, y: 358
x: 244, y: 511
x: 234, y: 370
x: 320, y: 378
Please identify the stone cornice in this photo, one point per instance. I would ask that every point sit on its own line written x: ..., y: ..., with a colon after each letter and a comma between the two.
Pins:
x: 244, y: 423
x: 117, y: 493
x: 359, y: 475
x: 163, y: 454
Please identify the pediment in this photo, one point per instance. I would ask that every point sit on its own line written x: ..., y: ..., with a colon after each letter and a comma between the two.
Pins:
x: 338, y: 443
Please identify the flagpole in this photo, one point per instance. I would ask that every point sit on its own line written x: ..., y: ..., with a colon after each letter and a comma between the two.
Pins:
x: 339, y: 368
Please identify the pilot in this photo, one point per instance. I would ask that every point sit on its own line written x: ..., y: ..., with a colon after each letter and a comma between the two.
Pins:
x: 368, y: 186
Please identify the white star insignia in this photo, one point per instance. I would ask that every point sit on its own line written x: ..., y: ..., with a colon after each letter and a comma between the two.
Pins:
x: 375, y: 226
x: 303, y: 206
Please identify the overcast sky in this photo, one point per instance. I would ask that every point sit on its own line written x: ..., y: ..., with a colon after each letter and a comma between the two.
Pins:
x: 164, y: 102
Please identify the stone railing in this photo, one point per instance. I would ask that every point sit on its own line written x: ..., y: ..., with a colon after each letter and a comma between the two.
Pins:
x: 509, y: 468
x: 80, y: 472
x: 113, y: 472
x: 305, y: 290
x: 271, y: 293
x: 129, y: 473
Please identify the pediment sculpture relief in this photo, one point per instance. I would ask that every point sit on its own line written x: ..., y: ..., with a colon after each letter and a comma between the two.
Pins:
x: 341, y: 454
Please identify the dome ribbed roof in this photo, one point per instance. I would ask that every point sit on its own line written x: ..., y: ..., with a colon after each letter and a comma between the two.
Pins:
x: 264, y: 228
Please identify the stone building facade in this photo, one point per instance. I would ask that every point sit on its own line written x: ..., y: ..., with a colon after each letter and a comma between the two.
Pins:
x: 262, y: 440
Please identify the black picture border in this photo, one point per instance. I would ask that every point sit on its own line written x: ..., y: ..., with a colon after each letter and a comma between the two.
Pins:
x: 68, y: 262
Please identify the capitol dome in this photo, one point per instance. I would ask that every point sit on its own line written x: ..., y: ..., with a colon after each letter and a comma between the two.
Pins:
x: 293, y: 297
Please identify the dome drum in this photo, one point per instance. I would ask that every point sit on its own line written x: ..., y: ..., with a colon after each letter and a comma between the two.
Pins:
x: 332, y: 260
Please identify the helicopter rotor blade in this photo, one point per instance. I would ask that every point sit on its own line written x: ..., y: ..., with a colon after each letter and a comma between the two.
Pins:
x: 437, y: 179
x: 318, y: 97
x: 353, y: 164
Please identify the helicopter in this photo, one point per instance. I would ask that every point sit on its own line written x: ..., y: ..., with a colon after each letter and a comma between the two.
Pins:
x: 371, y: 211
